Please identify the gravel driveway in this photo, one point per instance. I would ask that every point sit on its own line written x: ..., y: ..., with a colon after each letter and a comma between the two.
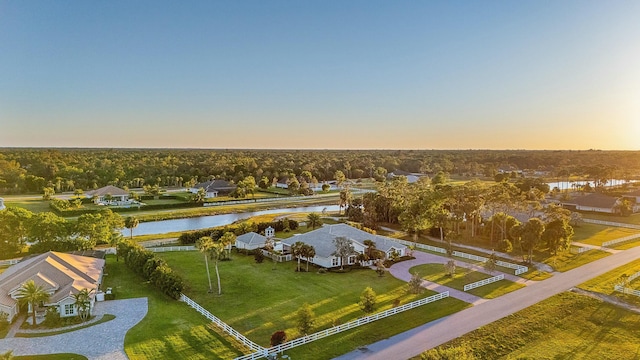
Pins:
x: 103, y: 341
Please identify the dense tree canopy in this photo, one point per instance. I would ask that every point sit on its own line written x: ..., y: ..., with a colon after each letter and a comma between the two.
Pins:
x: 31, y: 170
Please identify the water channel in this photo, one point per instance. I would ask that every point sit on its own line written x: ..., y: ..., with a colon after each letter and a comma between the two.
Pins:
x: 203, y: 222
x: 573, y: 185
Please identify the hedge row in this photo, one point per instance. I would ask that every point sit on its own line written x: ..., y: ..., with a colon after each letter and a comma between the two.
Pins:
x: 145, y: 263
x: 55, y: 206
x: 216, y: 233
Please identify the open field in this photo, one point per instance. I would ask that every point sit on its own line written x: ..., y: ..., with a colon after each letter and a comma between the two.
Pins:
x: 565, y: 261
x: 593, y: 234
x: 435, y: 273
x: 633, y: 219
x: 565, y: 326
x: 258, y: 300
x: 171, y: 329
x: 605, y: 283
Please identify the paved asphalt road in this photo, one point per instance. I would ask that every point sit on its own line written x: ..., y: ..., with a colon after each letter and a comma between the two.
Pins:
x: 415, y: 341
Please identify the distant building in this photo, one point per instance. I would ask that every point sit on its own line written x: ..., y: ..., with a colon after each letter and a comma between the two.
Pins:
x: 2, y: 207
x: 214, y: 188
x: 595, y: 202
x: 118, y: 196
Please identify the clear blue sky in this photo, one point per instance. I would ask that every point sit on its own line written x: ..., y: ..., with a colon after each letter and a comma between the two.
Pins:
x: 321, y: 74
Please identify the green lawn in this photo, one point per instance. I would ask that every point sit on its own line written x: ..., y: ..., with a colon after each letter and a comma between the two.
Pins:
x: 436, y: 273
x: 597, y: 234
x: 171, y: 329
x: 604, y: 283
x: 565, y: 326
x: 258, y: 301
x: 633, y: 219
x: 33, y: 205
x: 566, y: 260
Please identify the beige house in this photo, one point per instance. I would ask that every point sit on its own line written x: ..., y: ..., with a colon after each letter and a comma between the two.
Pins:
x: 61, y: 275
x: 118, y: 196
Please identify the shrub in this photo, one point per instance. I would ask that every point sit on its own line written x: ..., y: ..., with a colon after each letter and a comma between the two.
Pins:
x: 259, y: 257
x: 52, y: 318
x: 4, y: 320
x: 278, y: 338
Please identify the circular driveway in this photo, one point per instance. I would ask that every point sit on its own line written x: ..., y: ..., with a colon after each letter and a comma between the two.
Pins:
x: 103, y: 341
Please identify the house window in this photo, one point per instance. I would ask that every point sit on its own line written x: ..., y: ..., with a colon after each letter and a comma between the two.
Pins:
x: 69, y: 309
x: 334, y: 262
x: 352, y: 260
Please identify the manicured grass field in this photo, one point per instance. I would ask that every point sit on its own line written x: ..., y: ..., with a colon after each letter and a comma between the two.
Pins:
x: 565, y: 326
x: 436, y: 273
x: 633, y: 219
x: 258, y: 301
x: 171, y: 329
x: 33, y: 205
x: 597, y: 234
x: 566, y: 260
x: 605, y: 283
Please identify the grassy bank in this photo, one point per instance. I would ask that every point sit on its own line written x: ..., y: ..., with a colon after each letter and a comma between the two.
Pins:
x: 565, y: 326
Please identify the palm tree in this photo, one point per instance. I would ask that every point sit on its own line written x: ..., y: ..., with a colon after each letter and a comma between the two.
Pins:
x: 131, y: 222
x: 308, y: 253
x: 297, y: 249
x: 82, y: 303
x: 216, y: 252
x: 371, y: 246
x: 33, y: 295
x: 204, y: 245
x: 227, y: 240
x: 314, y: 220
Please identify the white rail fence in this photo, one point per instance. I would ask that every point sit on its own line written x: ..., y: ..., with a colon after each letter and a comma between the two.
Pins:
x: 611, y: 223
x: 621, y: 240
x: 579, y: 250
x: 519, y: 269
x: 172, y: 248
x: 634, y: 276
x: 483, y: 282
x: 9, y: 262
x: 276, y: 257
x: 626, y: 290
x: 344, y: 327
x: 226, y: 328
x: 421, y: 246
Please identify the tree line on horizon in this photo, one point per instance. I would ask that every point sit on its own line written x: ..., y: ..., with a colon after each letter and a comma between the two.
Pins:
x: 30, y: 170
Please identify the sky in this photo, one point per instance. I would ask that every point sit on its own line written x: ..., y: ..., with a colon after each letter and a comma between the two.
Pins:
x: 321, y: 74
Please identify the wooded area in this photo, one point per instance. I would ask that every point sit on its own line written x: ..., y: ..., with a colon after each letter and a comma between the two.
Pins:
x: 30, y: 170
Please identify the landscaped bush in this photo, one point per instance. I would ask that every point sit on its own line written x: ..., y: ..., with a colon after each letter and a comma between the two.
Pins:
x: 390, y: 262
x: 4, y: 320
x: 151, y: 267
x: 52, y: 318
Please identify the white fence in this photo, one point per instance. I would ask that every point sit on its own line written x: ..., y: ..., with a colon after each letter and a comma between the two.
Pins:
x: 633, y: 277
x: 483, y: 282
x: 621, y: 240
x: 172, y: 248
x: 278, y: 258
x: 9, y: 262
x: 344, y: 327
x: 579, y: 250
x: 519, y: 269
x: 611, y: 223
x: 422, y: 246
x: 226, y: 328
x: 626, y: 290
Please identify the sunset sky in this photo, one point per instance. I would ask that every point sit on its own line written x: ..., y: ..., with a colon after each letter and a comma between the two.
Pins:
x: 321, y: 74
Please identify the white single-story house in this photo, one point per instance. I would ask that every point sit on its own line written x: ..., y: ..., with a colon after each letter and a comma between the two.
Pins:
x: 2, y: 207
x: 322, y: 241
x: 213, y: 188
x: 118, y: 196
x: 250, y: 241
x: 595, y: 202
x: 61, y: 275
